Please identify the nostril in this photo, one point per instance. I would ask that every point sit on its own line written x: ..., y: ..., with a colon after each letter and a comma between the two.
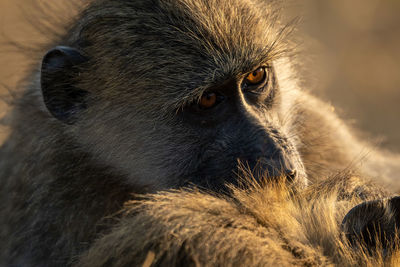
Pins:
x: 291, y: 175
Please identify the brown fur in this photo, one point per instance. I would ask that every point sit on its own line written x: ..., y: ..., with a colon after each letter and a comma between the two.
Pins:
x: 260, y: 226
x: 64, y: 185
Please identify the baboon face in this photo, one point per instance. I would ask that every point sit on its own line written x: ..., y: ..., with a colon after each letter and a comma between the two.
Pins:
x: 174, y: 92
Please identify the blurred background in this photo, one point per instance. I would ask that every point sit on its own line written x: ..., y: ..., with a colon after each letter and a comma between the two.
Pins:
x: 359, y: 61
x: 356, y: 65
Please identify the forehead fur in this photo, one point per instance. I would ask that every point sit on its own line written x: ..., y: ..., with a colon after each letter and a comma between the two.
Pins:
x: 181, y: 46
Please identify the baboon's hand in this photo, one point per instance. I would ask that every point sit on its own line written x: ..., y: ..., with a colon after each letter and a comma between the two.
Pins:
x: 374, y: 224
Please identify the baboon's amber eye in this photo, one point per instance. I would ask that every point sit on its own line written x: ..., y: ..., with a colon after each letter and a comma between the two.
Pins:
x: 208, y: 100
x: 256, y: 76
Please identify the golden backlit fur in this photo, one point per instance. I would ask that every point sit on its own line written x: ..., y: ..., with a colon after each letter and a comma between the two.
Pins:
x: 259, y: 226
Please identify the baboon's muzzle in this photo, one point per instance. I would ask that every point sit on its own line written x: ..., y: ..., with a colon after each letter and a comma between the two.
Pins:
x: 273, y: 158
x: 263, y: 155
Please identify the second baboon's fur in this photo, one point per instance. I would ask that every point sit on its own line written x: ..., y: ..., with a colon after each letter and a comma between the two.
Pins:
x: 259, y: 226
x: 113, y: 111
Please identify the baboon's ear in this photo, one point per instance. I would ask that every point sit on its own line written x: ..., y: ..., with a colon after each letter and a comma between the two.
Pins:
x: 58, y: 77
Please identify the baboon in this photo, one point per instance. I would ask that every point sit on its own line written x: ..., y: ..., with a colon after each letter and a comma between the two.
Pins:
x: 141, y: 96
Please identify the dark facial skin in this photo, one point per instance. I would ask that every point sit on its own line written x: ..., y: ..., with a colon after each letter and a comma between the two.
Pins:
x: 242, y: 130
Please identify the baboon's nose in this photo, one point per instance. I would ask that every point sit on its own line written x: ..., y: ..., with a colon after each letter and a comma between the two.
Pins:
x: 290, y: 174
